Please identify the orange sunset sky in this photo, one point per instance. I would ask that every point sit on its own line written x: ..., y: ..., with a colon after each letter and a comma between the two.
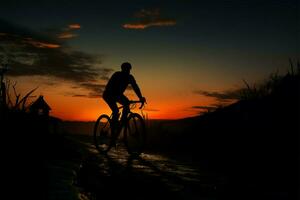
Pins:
x: 186, y: 55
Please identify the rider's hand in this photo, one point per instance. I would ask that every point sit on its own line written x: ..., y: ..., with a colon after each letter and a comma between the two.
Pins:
x: 143, y: 99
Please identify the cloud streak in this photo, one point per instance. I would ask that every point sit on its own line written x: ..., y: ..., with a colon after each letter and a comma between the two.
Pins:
x: 74, y: 26
x: 226, y: 96
x: 31, y: 53
x: 147, y: 24
x: 67, y: 33
x: 222, y: 99
x: 95, y: 89
x: 149, y: 18
x: 204, y: 107
x: 41, y: 44
x: 151, y: 110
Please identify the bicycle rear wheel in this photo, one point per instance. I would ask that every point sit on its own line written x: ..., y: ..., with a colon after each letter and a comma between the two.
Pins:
x: 102, y: 134
x: 135, y: 134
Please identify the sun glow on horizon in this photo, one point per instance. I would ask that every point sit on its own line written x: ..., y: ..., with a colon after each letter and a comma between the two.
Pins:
x: 163, y: 102
x: 69, y: 110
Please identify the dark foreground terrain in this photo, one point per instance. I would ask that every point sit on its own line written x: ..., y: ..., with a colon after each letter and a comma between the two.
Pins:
x: 247, y: 150
x: 149, y: 176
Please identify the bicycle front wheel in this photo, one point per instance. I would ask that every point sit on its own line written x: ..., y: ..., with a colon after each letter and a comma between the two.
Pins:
x: 135, y: 134
x: 102, y: 134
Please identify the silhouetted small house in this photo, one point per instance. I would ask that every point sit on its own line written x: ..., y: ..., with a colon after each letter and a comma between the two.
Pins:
x: 40, y: 107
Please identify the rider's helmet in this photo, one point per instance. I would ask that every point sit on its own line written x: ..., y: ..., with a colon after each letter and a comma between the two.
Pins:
x: 126, y: 66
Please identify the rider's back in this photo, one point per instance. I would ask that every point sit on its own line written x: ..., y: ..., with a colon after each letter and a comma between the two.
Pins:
x: 118, y: 83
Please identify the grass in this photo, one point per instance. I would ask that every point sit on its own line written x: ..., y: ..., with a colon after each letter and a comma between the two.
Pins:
x: 271, y: 85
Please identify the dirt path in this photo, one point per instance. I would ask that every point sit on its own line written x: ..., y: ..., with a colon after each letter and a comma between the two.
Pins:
x: 149, y: 176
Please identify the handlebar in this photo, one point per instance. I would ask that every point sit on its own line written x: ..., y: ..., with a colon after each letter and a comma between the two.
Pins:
x: 141, y: 102
x: 133, y: 102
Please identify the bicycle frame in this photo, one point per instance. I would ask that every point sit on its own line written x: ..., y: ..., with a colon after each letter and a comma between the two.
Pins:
x: 130, y: 103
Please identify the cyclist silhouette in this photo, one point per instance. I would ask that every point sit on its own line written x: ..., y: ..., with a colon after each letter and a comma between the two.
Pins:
x: 114, y: 90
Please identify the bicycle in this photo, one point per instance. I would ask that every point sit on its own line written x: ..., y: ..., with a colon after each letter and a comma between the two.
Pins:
x: 133, y: 129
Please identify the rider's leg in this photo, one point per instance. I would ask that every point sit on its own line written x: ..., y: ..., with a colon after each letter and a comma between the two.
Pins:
x: 125, y: 102
x: 115, y: 113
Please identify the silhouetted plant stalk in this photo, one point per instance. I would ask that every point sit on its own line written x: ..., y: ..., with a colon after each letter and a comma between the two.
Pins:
x: 145, y: 117
x: 271, y: 84
x: 17, y: 103
x: 3, y: 95
x: 3, y: 103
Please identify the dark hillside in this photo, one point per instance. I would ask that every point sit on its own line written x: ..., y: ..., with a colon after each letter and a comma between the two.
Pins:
x: 254, y: 141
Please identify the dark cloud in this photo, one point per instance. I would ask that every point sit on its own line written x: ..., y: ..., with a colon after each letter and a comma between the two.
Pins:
x: 226, y: 96
x: 151, y: 110
x: 32, y: 53
x: 10, y: 32
x: 222, y: 99
x: 95, y: 89
x: 204, y: 107
x: 148, y: 18
x: 79, y: 95
x: 146, y: 24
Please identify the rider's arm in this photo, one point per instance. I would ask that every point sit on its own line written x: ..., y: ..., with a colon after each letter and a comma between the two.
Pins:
x: 135, y: 87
